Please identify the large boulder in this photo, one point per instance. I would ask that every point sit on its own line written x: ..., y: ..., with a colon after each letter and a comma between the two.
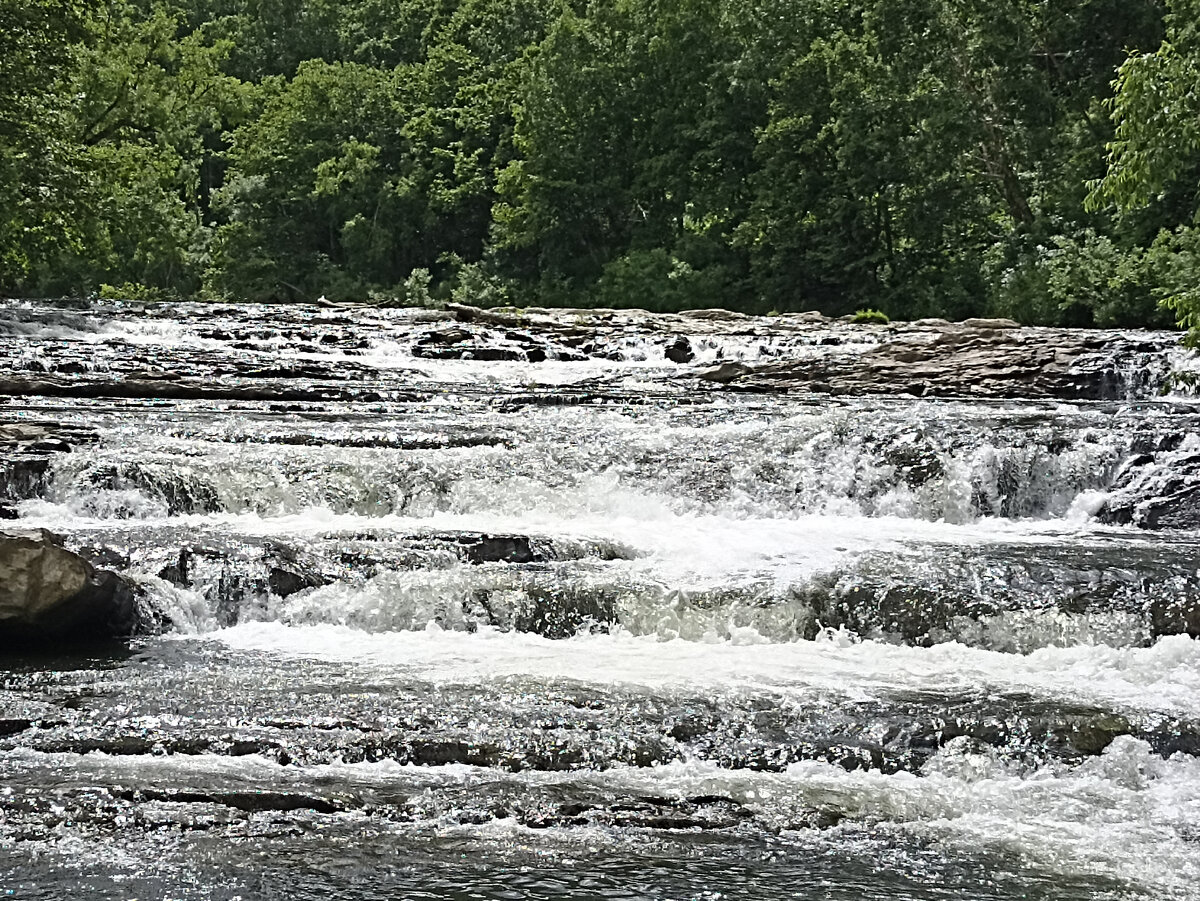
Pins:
x: 48, y: 593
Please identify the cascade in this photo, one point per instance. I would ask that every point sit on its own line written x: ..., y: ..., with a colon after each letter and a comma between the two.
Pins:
x: 566, y: 603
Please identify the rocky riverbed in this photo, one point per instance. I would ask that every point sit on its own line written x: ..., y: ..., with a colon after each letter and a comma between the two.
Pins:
x: 594, y: 604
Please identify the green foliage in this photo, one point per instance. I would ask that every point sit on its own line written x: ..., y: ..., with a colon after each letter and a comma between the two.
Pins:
x: 874, y: 317
x: 38, y: 167
x: 307, y: 203
x: 1083, y: 279
x: 654, y: 280
x: 1156, y: 108
x: 905, y: 158
x: 477, y: 284
x: 1153, y: 176
x: 1173, y: 260
x: 134, y: 292
x: 416, y: 289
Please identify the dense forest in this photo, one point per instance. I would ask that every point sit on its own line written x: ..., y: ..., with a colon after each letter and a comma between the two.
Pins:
x: 1038, y: 159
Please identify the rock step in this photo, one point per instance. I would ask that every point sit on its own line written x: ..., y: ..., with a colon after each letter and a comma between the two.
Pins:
x: 977, y: 358
x: 888, y: 737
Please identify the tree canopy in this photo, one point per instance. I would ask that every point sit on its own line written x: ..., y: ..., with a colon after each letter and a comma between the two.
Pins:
x: 921, y: 157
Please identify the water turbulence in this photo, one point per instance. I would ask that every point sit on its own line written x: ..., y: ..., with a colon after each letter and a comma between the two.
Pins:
x: 475, y: 604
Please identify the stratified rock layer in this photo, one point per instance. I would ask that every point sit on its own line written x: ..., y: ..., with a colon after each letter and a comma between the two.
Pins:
x: 976, y: 358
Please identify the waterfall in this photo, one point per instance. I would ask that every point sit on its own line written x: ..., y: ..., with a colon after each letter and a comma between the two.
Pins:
x: 521, y: 602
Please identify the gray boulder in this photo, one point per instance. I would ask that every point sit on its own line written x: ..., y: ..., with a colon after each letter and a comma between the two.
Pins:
x: 48, y: 593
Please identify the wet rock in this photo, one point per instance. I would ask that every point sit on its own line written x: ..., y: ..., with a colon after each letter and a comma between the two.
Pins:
x: 1175, y: 615
x: 14, y: 726
x: 417, y: 441
x: 487, y: 547
x: 441, y: 752
x: 564, y: 612
x: 990, y: 324
x: 1090, y: 735
x: 544, y: 608
x: 582, y: 396
x: 104, y: 557
x: 249, y: 801
x: 153, y: 374
x: 978, y: 358
x: 916, y: 460
x: 236, y: 579
x: 445, y: 336
x: 1015, y: 600
x: 720, y: 315
x: 314, y: 371
x: 483, y: 548
x: 115, y: 745
x: 183, y: 389
x: 709, y: 812
x: 467, y: 313
x: 680, y: 350
x: 48, y: 593
x: 182, y: 491
x: 456, y: 343
x: 177, y: 572
x: 1158, y: 490
x: 469, y: 352
x: 23, y: 476
x: 285, y: 580
x: 910, y: 613
x: 28, y: 449
x: 726, y: 373
x: 290, y: 570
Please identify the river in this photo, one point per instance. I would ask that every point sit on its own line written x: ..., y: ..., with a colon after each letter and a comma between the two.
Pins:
x: 553, y: 618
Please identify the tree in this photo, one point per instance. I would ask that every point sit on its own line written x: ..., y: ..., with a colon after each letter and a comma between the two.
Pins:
x: 153, y: 103
x: 1154, y: 159
x: 926, y: 157
x: 37, y: 166
x: 633, y: 138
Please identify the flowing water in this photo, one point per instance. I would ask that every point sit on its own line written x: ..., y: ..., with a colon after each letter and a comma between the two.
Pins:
x: 586, y: 627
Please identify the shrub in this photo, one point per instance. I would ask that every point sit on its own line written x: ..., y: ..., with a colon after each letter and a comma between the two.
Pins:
x: 871, y: 316
x: 135, y: 292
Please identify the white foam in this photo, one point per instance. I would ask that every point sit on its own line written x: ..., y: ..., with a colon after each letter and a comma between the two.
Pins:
x: 1161, y: 679
x: 1126, y: 815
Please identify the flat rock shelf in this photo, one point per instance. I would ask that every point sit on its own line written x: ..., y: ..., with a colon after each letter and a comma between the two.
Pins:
x: 464, y: 603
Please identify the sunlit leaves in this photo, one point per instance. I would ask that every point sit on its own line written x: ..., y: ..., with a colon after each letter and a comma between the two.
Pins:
x: 1157, y: 111
x: 921, y: 156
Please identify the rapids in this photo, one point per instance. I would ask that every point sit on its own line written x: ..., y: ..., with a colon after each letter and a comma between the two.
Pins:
x: 467, y: 610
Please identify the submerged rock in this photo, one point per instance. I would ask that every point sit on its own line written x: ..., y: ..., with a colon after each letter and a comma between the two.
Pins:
x: 48, y: 593
x: 236, y: 579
